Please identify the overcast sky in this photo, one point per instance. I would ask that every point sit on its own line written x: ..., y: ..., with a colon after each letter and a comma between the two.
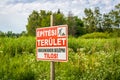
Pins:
x: 14, y: 13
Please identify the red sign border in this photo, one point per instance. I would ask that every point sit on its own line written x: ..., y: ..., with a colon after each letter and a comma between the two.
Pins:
x: 55, y: 60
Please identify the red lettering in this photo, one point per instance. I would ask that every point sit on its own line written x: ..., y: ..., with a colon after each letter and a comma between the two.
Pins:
x: 51, y: 56
x: 51, y: 42
x: 46, y: 32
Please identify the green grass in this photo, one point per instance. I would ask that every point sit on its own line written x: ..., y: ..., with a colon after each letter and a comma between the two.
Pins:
x: 96, y: 35
x: 89, y: 59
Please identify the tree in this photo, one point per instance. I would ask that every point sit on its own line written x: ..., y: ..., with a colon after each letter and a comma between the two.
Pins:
x: 45, y: 18
x: 23, y: 33
x: 115, y: 20
x: 59, y: 18
x: 2, y: 34
x: 78, y: 26
x: 42, y: 19
x: 75, y: 25
x: 116, y: 16
x: 107, y: 23
x: 33, y: 23
x: 89, y: 21
x: 70, y: 22
x: 9, y: 34
x: 98, y: 19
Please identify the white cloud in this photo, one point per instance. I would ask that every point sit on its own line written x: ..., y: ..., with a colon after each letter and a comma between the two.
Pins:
x: 14, y: 13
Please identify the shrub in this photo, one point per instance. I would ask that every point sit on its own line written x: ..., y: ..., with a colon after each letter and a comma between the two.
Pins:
x: 23, y: 67
x: 89, y: 59
x: 95, y: 35
x: 17, y: 45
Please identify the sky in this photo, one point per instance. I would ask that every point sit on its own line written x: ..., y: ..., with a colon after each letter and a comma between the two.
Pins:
x: 14, y: 13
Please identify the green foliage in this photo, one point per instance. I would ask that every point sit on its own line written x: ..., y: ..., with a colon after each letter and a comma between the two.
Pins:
x: 15, y: 46
x: 93, y: 21
x: 34, y: 21
x: 59, y: 18
x: 42, y: 19
x: 2, y: 34
x: 115, y: 33
x: 10, y: 34
x: 89, y: 21
x: 94, y: 59
x: 73, y: 43
x: 89, y: 59
x: 89, y: 46
x: 75, y: 24
x: 23, y: 67
x: 96, y: 35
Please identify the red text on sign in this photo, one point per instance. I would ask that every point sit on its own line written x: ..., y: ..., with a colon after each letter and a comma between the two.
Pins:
x: 51, y: 42
x: 47, y: 32
x: 51, y: 56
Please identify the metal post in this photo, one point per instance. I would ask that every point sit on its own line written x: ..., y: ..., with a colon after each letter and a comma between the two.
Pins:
x: 52, y: 66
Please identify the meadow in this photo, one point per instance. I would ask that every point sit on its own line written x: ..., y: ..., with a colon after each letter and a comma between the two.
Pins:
x: 89, y: 59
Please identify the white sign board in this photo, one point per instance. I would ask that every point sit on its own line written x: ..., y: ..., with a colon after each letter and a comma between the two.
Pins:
x: 52, y: 43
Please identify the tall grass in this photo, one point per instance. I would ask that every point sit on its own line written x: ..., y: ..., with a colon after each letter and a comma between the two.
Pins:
x: 23, y: 67
x: 20, y: 45
x: 94, y: 45
x: 89, y: 59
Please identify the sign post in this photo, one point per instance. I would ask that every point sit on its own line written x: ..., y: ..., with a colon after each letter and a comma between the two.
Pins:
x: 52, y: 64
x: 52, y: 44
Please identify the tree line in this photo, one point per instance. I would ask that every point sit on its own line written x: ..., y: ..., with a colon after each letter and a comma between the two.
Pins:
x: 42, y: 19
x: 94, y: 21
x: 13, y: 35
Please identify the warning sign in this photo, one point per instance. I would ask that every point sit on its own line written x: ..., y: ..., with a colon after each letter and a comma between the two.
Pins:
x: 51, y: 43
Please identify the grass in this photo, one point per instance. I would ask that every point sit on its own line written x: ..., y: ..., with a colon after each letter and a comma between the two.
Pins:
x: 96, y: 35
x: 89, y: 59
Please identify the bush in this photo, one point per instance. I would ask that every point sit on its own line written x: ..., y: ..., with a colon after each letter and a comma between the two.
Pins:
x: 89, y: 59
x: 15, y: 46
x: 95, y: 35
x: 23, y: 67
x: 115, y: 33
